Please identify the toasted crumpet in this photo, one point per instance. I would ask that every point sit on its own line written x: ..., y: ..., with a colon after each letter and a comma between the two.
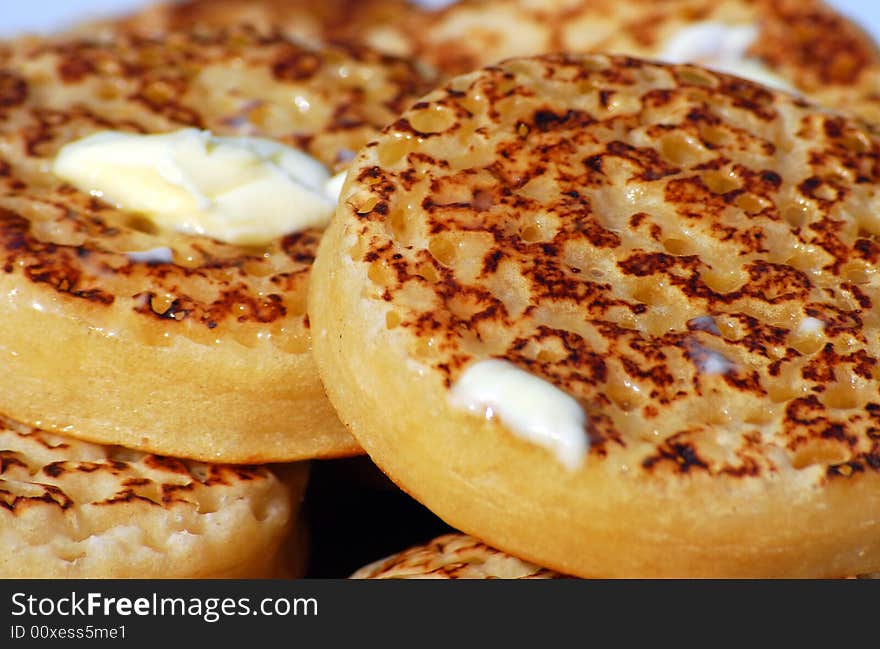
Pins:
x: 382, y: 23
x: 690, y: 256
x: 71, y: 509
x: 805, y: 44
x: 206, y: 356
x: 453, y: 556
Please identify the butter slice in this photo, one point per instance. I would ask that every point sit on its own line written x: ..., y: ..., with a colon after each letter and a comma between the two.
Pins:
x: 242, y: 190
x: 530, y: 407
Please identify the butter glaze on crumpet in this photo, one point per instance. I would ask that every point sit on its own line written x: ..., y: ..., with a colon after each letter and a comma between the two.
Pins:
x: 691, y: 256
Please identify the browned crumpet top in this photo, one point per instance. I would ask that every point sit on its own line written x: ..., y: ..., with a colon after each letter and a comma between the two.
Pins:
x: 329, y: 102
x: 691, y: 256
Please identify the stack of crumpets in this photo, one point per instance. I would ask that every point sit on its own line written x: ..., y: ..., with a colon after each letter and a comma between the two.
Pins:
x: 601, y: 305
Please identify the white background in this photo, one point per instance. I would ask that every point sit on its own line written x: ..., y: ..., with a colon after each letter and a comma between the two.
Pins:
x: 41, y: 15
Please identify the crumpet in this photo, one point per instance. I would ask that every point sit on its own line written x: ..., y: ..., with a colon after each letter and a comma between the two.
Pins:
x: 382, y: 24
x: 119, y: 331
x: 453, y: 556
x: 805, y: 46
x: 71, y: 509
x: 617, y: 318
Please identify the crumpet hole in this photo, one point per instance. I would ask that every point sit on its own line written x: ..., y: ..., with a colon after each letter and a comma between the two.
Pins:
x: 826, y: 192
x: 624, y: 395
x: 392, y: 320
x: 549, y: 355
x: 857, y: 272
x: 588, y: 86
x: 844, y: 396
x: 539, y: 227
x: 108, y: 92
x: 697, y: 77
x: 714, y: 136
x: 678, y: 247
x: 161, y: 303
x: 425, y: 348
x: 473, y: 105
x: 443, y: 249
x: 796, y: 215
x: 858, y: 142
x: 358, y: 250
x: 752, y: 204
x: 820, y: 453
x: 141, y: 223
x: 722, y: 281
x: 650, y: 294
x: 782, y: 392
x: 380, y: 274
x: 807, y: 259
x: 655, y: 324
x: 721, y: 182
x: 530, y: 234
x: 426, y: 271
x: 398, y: 224
x: 364, y: 203
x: 246, y: 337
x: 595, y: 63
x: 759, y: 415
x: 729, y: 328
x: 258, y: 268
x: 483, y: 200
x: 680, y: 149
x: 806, y: 344
x: 432, y: 120
x: 393, y: 150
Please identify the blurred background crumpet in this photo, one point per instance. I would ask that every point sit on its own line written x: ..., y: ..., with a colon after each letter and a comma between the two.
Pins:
x: 804, y: 46
x: 617, y: 319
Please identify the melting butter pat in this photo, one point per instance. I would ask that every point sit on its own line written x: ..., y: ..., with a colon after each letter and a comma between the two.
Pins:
x: 530, y: 407
x: 242, y: 190
x: 723, y: 48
